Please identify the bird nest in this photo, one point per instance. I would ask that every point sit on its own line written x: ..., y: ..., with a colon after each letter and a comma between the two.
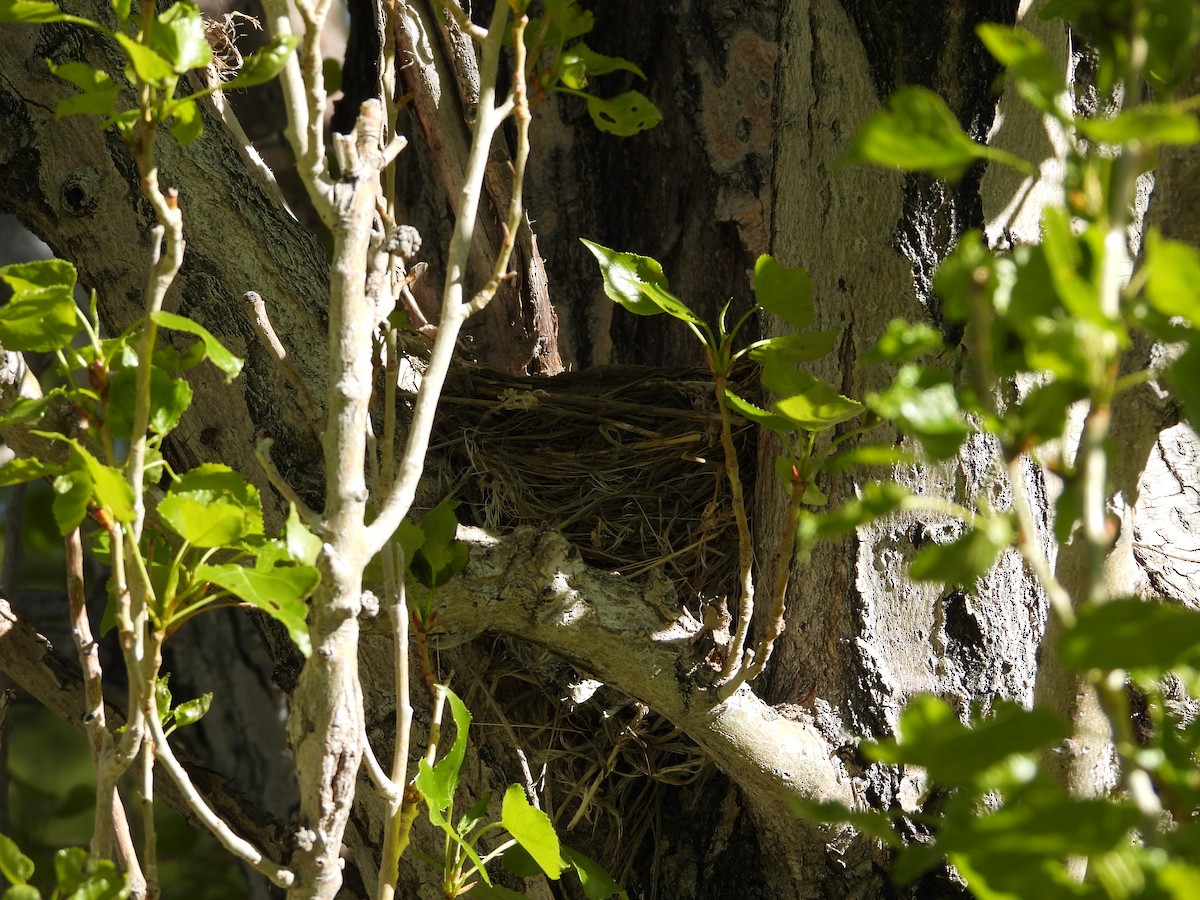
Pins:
x: 626, y: 462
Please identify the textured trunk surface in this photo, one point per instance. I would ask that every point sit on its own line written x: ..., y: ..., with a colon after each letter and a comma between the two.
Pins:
x: 760, y: 98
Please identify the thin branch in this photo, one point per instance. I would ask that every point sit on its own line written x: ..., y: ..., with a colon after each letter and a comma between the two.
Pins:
x: 270, y: 340
x: 262, y: 452
x: 454, y: 310
x: 239, y: 847
x: 111, y: 822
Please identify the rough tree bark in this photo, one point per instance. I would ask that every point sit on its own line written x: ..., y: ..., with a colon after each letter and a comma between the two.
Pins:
x: 760, y: 98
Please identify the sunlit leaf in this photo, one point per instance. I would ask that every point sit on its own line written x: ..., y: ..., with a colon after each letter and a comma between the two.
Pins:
x: 191, y: 711
x: 263, y: 65
x: 624, y: 276
x: 18, y: 471
x: 302, y: 545
x: 625, y: 114
x: 752, y: 413
x: 178, y: 37
x: 784, y: 292
x: 40, y: 316
x: 967, y: 559
x: 597, y: 883
x: 169, y: 399
x: 1152, y: 124
x: 99, y: 97
x: 795, y: 348
x: 918, y: 132
x: 1172, y: 271
x: 438, y: 782
x: 38, y: 11
x: 1026, y: 63
x: 876, y: 500
x: 149, y: 65
x: 212, y: 506
x: 808, y: 402
x: 923, y: 402
x: 15, y: 865
x: 1133, y: 634
x: 904, y: 342
x: 279, y: 592
x: 932, y: 736
x: 217, y: 354
x: 532, y: 829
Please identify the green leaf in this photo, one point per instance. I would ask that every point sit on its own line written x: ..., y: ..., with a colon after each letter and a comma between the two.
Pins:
x: 18, y: 471
x: 1185, y: 379
x: 438, y: 782
x: 624, y: 276
x: 26, y: 409
x: 808, y: 402
x: 212, y: 506
x: 99, y: 97
x: 147, y: 64
x: 263, y: 65
x: 567, y: 20
x: 186, y: 125
x: 1042, y: 415
x: 411, y: 536
x: 72, y: 493
x: 280, y: 592
x: 440, y: 556
x: 784, y: 292
x: 169, y: 400
x: 669, y: 303
x: 623, y: 115
x: 38, y: 11
x: 932, y: 736
x: 1024, y: 58
x: 1172, y: 271
x: 918, y: 132
x: 876, y: 500
x: 178, y: 37
x: 1133, y: 634
x: 22, y: 892
x: 1148, y: 124
x: 70, y: 865
x: 15, y: 865
x: 191, y: 711
x: 904, y: 342
x: 474, y: 815
x: 41, y: 315
x: 531, y: 828
x: 85, y: 480
x: 752, y: 413
x: 597, y: 883
x: 923, y: 402
x: 302, y: 545
x: 217, y: 354
x: 795, y: 348
x: 967, y: 559
x: 869, y: 455
x: 579, y: 61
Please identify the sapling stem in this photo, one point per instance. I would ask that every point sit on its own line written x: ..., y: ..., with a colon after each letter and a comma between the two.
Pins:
x: 736, y: 657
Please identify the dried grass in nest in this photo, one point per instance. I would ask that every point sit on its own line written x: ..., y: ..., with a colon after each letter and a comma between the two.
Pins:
x: 603, y: 764
x: 625, y: 461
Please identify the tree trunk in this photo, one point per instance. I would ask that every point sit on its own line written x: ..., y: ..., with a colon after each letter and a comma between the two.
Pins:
x: 760, y: 99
